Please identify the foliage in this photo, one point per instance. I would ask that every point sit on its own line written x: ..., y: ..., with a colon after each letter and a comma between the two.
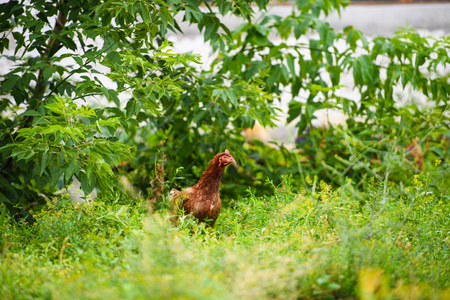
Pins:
x: 94, y: 83
x: 317, y: 243
x: 381, y: 122
x: 68, y: 58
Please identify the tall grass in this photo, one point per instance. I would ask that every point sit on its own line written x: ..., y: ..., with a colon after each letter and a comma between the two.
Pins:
x: 389, y: 242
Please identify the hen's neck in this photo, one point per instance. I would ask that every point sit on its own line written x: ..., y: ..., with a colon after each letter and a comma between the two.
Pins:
x: 211, y: 177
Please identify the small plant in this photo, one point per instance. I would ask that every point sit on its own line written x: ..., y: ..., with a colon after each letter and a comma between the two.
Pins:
x: 320, y: 242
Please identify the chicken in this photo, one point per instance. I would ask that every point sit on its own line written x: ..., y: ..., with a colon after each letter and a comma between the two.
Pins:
x: 202, y: 199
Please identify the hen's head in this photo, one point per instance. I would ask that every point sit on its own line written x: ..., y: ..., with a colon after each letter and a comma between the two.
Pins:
x: 225, y: 158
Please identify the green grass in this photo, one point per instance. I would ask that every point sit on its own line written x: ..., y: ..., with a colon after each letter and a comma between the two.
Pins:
x: 389, y: 242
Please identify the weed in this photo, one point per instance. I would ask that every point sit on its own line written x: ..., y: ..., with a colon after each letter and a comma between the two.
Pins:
x: 316, y: 243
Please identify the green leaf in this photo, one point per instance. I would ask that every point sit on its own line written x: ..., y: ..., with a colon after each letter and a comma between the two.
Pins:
x: 58, y: 106
x: 210, y: 31
x: 232, y: 97
x: 301, y: 27
x: 70, y: 170
x: 44, y: 162
x: 253, y: 69
x: 315, y: 48
x: 78, y: 60
x: 56, y: 174
x: 48, y: 72
x: 22, y: 153
x: 335, y: 74
x: 301, y: 3
x: 31, y: 113
x: 10, y: 82
x: 87, y: 186
x: 105, y: 92
x: 165, y: 16
x: 295, y: 109
x: 193, y: 12
x: 364, y: 70
x: 143, y: 11
x: 224, y: 7
x: 291, y: 64
x: 199, y: 115
x: 114, y: 97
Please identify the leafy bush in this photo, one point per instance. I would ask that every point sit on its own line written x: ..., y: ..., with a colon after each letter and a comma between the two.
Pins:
x: 95, y: 83
x: 71, y: 57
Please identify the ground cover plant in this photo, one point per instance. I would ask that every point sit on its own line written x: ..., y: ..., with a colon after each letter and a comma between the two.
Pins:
x: 95, y: 92
x: 316, y: 243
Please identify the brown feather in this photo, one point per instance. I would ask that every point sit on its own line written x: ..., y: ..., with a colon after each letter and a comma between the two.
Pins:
x: 202, y: 199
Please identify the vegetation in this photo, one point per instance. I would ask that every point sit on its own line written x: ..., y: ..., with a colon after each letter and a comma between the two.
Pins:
x: 95, y: 92
x: 95, y: 83
x: 320, y: 243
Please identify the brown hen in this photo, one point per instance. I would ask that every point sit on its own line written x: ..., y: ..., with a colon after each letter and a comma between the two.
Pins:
x: 202, y: 199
